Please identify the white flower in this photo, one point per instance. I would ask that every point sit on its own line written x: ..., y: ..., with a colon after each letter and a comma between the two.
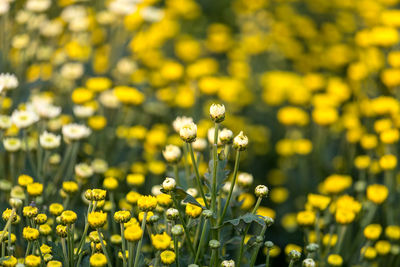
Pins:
x: 8, y: 81
x: 4, y: 7
x: 225, y: 136
x: 74, y: 131
x: 228, y: 263
x: 126, y: 66
x: 152, y: 14
x: 24, y: 118
x: 261, y: 191
x: 83, y: 170
x: 188, y: 132
x: 210, y: 136
x: 171, y: 213
x: 38, y: 5
x: 192, y: 191
x: 5, y: 122
x: 122, y: 7
x: 171, y: 153
x: 44, y: 108
x: 99, y: 165
x: 245, y: 179
x: 109, y: 99
x: 169, y: 184
x: 308, y: 263
x: 200, y: 144
x: 49, y: 140
x: 72, y: 71
x: 156, y: 190
x: 180, y: 121
x: 240, y: 142
x: 217, y: 112
x: 227, y: 187
x: 81, y: 111
x: 12, y: 144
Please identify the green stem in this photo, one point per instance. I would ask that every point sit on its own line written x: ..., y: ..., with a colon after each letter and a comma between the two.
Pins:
x: 291, y: 263
x: 140, y: 241
x: 341, y: 235
x: 176, y: 247
x: 215, y: 167
x: 86, y: 226
x: 64, y: 249
x: 198, y: 179
x: 176, y: 173
x: 213, y: 257
x: 202, y: 239
x: 267, y: 258
x: 123, y: 244
x: 183, y: 224
x: 235, y: 171
x: 104, y: 247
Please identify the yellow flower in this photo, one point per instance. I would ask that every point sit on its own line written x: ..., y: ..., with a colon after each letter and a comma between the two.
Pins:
x: 194, y: 211
x: 129, y: 95
x: 132, y: 197
x: 161, y: 241
x: 344, y: 216
x: 30, y: 211
x: 45, y: 249
x: 110, y: 183
x: 133, y: 233
x: 56, y: 209
x: 45, y: 229
x: 30, y: 234
x: 369, y: 252
x: 97, y: 219
x: 388, y: 162
x: 54, y: 263
x: 147, y: 203
x: 34, y: 189
x: 382, y: 247
x: 362, y: 162
x: 329, y: 240
x: 98, y: 260
x: 325, y: 115
x: 98, y: 84
x: 306, y: 218
x: 68, y: 217
x: 290, y: 247
x: 377, y: 193
x: 148, y: 216
x: 167, y: 257
x: 81, y: 95
x: 266, y: 212
x: 335, y: 260
x: 392, y: 232
x: 292, y: 116
x: 336, y: 183
x: 135, y: 179
x: 372, y: 231
x: 122, y: 216
x: 164, y: 200
x: 70, y: 187
x: 318, y: 201
x: 248, y: 200
x: 97, y: 123
x: 32, y: 261
x: 24, y: 180
x: 10, y: 262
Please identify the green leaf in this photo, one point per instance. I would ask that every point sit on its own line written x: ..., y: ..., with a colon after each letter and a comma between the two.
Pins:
x: 243, y: 221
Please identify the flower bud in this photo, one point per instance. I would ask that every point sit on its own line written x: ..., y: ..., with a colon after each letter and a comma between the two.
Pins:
x: 214, y: 244
x: 188, y: 132
x: 240, y: 142
x: 200, y: 144
x: 217, y: 112
x: 15, y: 202
x: 268, y: 221
x: 172, y: 153
x: 312, y: 247
x: 259, y: 239
x: 192, y: 191
x: 169, y: 184
x: 294, y: 255
x: 172, y: 214
x: 308, y: 263
x: 226, y: 136
x: 228, y: 263
x: 268, y: 244
x: 153, y: 219
x: 207, y: 214
x: 177, y: 230
x: 261, y: 191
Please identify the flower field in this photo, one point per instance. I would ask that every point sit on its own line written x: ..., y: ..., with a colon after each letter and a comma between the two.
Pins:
x: 199, y: 133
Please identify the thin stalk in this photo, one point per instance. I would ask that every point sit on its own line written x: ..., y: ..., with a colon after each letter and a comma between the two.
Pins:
x: 215, y: 167
x: 267, y: 258
x: 64, y: 249
x: 104, y: 248
x: 7, y: 225
x: 291, y: 263
x: 184, y: 225
x: 140, y: 241
x: 113, y: 223
x: 235, y: 171
x: 213, y: 257
x: 176, y: 247
x: 123, y: 244
x: 202, y: 239
x: 176, y: 173
x: 257, y: 248
x: 198, y: 179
